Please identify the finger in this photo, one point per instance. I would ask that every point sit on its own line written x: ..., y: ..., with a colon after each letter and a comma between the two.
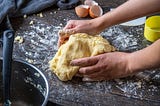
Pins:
x: 78, y: 75
x: 63, y: 36
x: 89, y: 70
x: 62, y: 40
x: 59, y: 43
x: 70, y: 24
x: 83, y: 62
x: 65, y: 32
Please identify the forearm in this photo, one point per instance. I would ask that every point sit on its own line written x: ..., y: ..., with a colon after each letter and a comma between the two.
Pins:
x: 129, y: 10
x: 147, y: 58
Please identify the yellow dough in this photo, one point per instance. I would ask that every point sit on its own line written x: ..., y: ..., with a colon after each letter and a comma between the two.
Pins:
x: 78, y: 46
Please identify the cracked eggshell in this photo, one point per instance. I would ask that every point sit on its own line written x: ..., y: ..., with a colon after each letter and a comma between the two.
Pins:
x: 95, y: 11
x: 90, y: 2
x: 82, y: 10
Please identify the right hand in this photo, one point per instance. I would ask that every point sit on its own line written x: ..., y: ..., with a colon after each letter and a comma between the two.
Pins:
x: 105, y: 66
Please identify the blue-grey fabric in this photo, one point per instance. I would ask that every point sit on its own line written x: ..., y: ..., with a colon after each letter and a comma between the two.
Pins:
x: 15, y: 8
x: 5, y: 7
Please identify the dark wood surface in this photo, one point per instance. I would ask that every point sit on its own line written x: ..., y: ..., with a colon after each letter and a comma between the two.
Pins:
x: 40, y: 45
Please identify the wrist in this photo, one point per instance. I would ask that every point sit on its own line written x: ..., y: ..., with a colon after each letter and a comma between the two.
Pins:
x: 135, y: 64
x: 99, y: 24
x: 127, y: 63
x: 105, y: 21
x: 147, y: 58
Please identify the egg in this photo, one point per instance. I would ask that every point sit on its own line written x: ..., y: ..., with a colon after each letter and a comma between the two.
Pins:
x: 90, y: 2
x: 82, y: 10
x: 95, y: 11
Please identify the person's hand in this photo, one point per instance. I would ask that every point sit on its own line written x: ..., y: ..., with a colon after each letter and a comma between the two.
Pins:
x: 83, y: 26
x: 103, y: 67
x: 79, y: 26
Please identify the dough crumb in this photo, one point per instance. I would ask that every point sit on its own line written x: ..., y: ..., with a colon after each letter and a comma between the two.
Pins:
x: 40, y: 15
x: 31, y: 22
x: 25, y: 16
x: 19, y: 39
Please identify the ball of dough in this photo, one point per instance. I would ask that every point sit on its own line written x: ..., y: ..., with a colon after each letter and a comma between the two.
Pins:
x: 78, y: 46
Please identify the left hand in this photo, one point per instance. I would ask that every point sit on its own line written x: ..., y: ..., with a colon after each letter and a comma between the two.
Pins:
x: 104, y: 66
x: 91, y: 27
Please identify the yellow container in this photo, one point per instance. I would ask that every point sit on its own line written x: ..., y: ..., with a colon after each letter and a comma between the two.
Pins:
x: 152, y: 28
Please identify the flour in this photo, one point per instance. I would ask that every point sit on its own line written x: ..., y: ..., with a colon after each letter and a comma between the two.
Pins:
x: 39, y: 38
x: 124, y: 40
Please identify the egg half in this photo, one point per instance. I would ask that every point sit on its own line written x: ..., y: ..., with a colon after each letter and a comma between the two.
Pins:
x: 82, y: 10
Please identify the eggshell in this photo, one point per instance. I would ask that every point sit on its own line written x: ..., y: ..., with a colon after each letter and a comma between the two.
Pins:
x: 82, y: 10
x: 95, y: 11
x: 90, y: 2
